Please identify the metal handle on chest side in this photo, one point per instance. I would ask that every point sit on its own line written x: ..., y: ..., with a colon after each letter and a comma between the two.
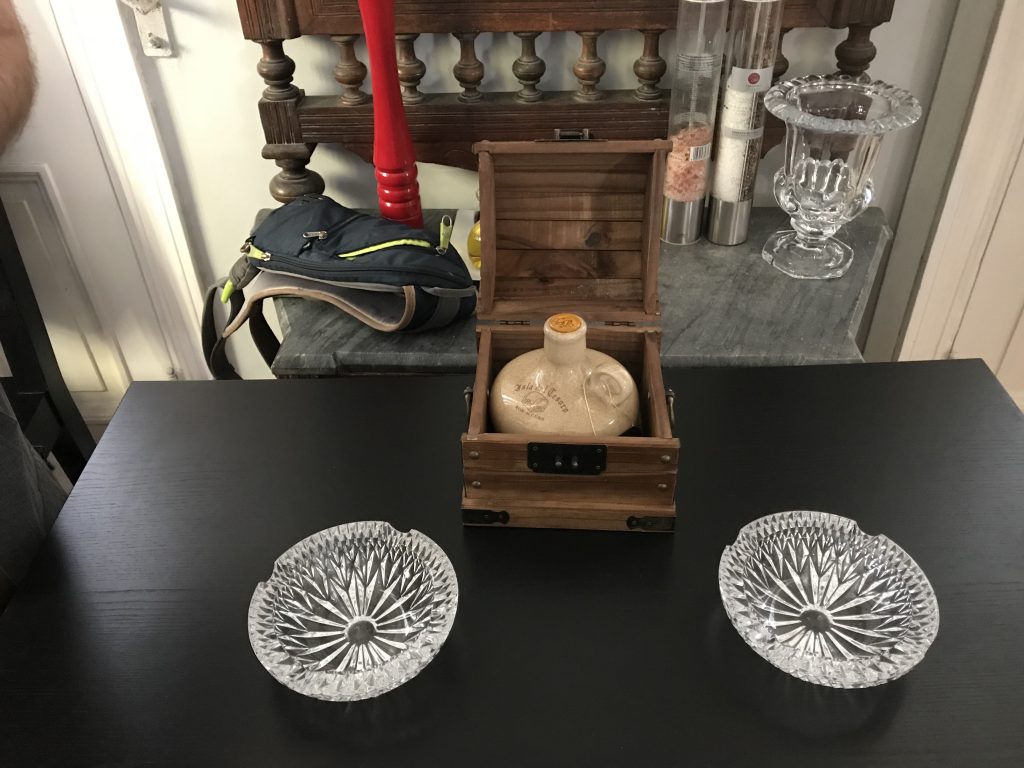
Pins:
x: 670, y: 399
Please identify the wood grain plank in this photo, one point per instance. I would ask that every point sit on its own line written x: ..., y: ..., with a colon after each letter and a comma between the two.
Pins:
x: 568, y: 290
x: 569, y: 235
x: 330, y: 17
x: 481, y: 385
x: 542, y: 307
x: 443, y: 129
x: 640, y: 488
x: 586, y: 181
x: 487, y: 244
x: 267, y: 19
x: 597, y: 145
x: 548, y: 156
x: 562, y: 514
x: 541, y: 205
x: 654, y: 389
x: 640, y: 456
x: 651, y: 240
x: 568, y: 264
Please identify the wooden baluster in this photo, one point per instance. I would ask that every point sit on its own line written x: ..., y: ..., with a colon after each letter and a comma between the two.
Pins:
x: 410, y: 69
x: 650, y: 67
x: 276, y: 69
x: 350, y: 72
x: 469, y: 70
x: 781, y: 62
x: 528, y: 68
x: 294, y: 179
x: 856, y: 52
x: 589, y: 68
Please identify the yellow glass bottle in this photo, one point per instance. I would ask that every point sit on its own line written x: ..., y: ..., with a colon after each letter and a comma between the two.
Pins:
x: 473, y: 244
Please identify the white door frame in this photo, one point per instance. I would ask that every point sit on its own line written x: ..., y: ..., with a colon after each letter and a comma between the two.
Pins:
x: 992, y: 142
x: 108, y: 77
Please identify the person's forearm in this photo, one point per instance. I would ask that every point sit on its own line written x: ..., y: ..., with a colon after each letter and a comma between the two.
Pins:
x: 17, y: 79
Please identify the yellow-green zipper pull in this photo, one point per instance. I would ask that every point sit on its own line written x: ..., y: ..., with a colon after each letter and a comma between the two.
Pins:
x: 446, y: 233
x: 256, y: 253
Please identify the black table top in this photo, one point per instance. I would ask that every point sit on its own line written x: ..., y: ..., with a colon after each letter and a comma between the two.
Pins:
x: 127, y: 644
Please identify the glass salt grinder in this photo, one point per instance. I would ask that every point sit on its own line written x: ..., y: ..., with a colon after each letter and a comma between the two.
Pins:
x: 753, y: 43
x: 700, y: 41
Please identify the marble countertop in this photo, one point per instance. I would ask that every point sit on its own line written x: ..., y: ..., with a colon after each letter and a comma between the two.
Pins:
x: 721, y: 306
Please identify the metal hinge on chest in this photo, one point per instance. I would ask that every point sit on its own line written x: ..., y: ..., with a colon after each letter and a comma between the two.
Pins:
x: 651, y: 523
x: 484, y: 516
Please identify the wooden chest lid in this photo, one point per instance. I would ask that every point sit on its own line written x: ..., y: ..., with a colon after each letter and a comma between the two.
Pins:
x: 571, y: 226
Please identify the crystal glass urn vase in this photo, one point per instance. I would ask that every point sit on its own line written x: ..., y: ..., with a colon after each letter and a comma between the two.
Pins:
x: 834, y: 128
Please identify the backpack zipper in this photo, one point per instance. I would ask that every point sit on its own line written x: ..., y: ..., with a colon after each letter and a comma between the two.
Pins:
x: 382, y: 246
x: 255, y: 253
x: 445, y: 236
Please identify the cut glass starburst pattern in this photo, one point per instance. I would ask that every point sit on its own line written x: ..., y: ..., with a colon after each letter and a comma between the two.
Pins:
x: 825, y: 602
x: 353, y: 611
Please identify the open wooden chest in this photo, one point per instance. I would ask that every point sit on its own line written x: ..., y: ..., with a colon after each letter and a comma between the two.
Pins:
x: 571, y: 227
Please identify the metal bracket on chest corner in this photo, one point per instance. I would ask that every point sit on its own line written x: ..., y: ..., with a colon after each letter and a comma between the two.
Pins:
x: 484, y: 516
x: 670, y: 400
x: 651, y: 523
x: 467, y: 393
x: 566, y: 459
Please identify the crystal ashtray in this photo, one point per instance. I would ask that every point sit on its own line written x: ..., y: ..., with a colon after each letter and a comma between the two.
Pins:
x: 825, y: 602
x: 353, y: 611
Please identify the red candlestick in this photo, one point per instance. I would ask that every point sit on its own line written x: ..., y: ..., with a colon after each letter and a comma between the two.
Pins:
x: 393, y: 158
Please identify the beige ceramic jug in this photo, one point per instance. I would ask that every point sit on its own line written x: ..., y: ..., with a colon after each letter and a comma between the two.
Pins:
x: 564, y: 388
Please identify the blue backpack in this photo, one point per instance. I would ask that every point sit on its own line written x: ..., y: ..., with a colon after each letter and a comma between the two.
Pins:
x: 390, y: 276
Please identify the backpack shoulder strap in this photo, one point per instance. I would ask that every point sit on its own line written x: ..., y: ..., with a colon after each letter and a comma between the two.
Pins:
x: 214, y: 341
x: 214, y: 338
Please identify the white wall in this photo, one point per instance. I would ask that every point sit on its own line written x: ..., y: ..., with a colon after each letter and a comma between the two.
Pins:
x: 205, y: 103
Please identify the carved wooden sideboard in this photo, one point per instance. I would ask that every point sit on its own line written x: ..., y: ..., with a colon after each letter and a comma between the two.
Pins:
x: 445, y: 125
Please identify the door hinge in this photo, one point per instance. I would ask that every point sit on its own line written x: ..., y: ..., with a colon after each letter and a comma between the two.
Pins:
x: 152, y: 26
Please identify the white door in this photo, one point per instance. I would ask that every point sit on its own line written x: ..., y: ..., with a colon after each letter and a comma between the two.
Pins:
x: 68, y: 220
x: 993, y: 323
x: 971, y: 297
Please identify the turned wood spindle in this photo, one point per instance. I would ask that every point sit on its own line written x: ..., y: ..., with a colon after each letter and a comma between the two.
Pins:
x: 589, y: 68
x: 294, y: 178
x: 781, y: 62
x: 350, y: 72
x: 855, y: 54
x: 528, y: 68
x: 469, y: 70
x: 650, y: 67
x: 410, y: 69
x: 276, y: 69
